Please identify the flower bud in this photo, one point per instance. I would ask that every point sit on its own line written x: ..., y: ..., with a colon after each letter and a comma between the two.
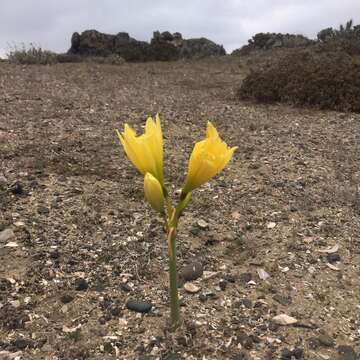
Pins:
x: 154, y: 192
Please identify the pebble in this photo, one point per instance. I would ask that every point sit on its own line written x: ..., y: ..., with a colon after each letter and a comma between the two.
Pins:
x: 333, y: 258
x: 346, y: 352
x: 66, y: 298
x: 16, y: 188
x: 245, y: 341
x: 326, y: 340
x: 283, y: 300
x: 191, y: 288
x: 202, y: 224
x: 286, y: 354
x: 22, y: 344
x: 207, y: 295
x: 191, y: 272
x: 81, y: 284
x: 6, y: 235
x: 125, y: 287
x: 138, y: 305
x: 222, y: 284
x: 284, y: 319
x: 263, y: 275
x: 298, y: 353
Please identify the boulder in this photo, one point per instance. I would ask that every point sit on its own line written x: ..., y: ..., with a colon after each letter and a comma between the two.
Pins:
x: 95, y: 43
x: 163, y: 46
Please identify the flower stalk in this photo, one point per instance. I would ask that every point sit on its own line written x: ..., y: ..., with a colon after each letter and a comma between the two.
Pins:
x: 208, y: 158
x: 174, y: 295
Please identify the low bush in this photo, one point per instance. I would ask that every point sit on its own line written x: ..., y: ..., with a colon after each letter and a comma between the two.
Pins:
x: 307, y: 78
x: 31, y: 55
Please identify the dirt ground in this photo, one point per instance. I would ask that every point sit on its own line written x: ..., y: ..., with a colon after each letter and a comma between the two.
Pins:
x: 279, y: 233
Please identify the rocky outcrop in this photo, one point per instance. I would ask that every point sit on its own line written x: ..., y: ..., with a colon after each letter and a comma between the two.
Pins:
x: 266, y: 41
x: 95, y: 43
x: 163, y: 46
x: 202, y: 47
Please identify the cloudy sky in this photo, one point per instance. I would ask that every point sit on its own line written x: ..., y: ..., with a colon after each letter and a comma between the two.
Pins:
x: 50, y: 23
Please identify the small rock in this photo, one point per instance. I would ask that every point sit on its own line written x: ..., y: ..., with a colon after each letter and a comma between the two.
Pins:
x: 108, y: 347
x: 115, y: 310
x: 125, y: 287
x: 270, y: 225
x: 22, y: 344
x: 333, y: 258
x: 202, y: 224
x: 16, y: 188
x: 207, y: 275
x: 326, y: 340
x: 333, y: 267
x: 223, y: 284
x: 207, y: 295
x: 284, y: 319
x: 191, y: 272
x: 81, y: 284
x: 286, y: 354
x: 283, y: 300
x: 245, y: 341
x: 11, y: 244
x: 138, y: 305
x: 298, y: 353
x: 195, y: 230
x: 191, y: 288
x: 346, y: 352
x: 6, y: 235
x: 263, y: 275
x: 66, y: 298
x: 102, y: 320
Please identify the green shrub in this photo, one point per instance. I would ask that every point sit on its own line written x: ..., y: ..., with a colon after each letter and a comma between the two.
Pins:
x: 32, y: 55
x: 307, y: 78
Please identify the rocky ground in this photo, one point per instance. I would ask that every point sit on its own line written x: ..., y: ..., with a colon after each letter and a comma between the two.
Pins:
x: 274, y: 239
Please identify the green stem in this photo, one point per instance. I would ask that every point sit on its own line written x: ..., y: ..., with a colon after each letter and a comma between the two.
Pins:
x: 171, y: 227
x: 174, y: 296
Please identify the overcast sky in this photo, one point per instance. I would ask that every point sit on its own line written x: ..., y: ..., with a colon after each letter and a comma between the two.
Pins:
x: 50, y: 23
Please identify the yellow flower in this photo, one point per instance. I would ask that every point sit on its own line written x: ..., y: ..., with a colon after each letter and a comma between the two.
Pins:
x: 145, y: 151
x: 153, y: 192
x: 208, y: 158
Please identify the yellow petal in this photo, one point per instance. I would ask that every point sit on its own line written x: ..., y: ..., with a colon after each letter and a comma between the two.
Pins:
x: 208, y: 158
x: 211, y: 131
x: 154, y: 193
x: 145, y: 151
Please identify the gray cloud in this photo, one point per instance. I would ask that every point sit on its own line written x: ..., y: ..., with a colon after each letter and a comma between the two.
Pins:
x: 50, y: 23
